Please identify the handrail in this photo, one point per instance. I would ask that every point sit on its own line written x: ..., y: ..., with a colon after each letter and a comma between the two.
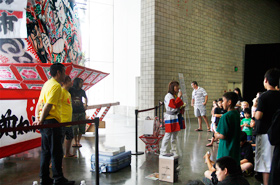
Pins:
x: 98, y: 108
x: 102, y: 105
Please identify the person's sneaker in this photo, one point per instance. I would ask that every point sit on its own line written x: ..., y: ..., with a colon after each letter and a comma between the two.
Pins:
x: 63, y: 181
x: 47, y: 181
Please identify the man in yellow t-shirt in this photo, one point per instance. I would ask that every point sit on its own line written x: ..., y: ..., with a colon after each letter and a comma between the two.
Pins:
x: 48, y: 112
x: 66, y: 115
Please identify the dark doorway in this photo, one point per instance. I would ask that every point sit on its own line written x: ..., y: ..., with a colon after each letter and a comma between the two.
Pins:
x: 258, y: 59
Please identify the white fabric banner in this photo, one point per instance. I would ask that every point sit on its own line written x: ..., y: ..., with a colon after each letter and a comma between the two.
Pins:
x: 13, y: 19
x: 13, y: 24
x: 13, y: 114
x: 18, y: 5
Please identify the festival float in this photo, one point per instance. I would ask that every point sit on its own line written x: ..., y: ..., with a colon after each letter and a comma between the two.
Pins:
x: 33, y: 35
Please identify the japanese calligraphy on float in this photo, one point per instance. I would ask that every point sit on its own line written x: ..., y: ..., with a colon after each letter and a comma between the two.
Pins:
x: 33, y: 35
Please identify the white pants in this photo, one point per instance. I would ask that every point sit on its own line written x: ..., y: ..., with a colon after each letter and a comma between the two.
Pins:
x: 263, y: 154
x: 172, y: 136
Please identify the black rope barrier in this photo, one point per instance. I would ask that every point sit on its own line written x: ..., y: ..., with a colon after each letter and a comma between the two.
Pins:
x: 136, y: 125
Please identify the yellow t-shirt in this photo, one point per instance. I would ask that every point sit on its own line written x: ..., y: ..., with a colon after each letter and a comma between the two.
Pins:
x: 51, y: 93
x: 66, y: 108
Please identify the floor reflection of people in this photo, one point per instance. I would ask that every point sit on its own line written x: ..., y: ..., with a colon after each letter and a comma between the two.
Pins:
x: 195, y: 157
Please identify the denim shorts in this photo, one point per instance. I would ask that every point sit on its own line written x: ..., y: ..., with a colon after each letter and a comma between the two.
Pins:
x: 67, y: 133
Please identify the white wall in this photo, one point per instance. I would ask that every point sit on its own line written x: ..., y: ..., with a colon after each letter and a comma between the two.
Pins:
x: 100, y: 49
x: 127, y: 23
x: 113, y: 45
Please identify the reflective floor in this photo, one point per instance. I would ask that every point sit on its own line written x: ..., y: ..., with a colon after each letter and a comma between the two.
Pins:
x: 23, y: 168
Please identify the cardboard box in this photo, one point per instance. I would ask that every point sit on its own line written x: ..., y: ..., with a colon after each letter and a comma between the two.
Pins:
x: 92, y: 126
x: 167, y: 168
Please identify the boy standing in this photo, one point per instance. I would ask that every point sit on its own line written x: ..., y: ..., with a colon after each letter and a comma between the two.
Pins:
x: 228, y: 130
x: 245, y: 124
x: 268, y: 104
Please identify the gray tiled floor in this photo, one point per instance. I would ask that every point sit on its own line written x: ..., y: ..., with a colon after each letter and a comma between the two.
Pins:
x: 23, y: 168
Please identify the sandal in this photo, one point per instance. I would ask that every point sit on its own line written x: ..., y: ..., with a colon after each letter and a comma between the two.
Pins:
x: 209, y: 130
x: 79, y: 145
x: 70, y: 156
x: 209, y: 145
x: 75, y: 145
x: 198, y: 130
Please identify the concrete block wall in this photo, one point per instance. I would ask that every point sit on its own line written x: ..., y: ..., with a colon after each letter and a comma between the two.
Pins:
x: 147, y: 79
x: 204, y: 40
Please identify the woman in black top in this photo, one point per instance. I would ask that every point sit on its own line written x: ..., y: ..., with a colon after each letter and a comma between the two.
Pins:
x: 240, y: 99
x: 79, y: 108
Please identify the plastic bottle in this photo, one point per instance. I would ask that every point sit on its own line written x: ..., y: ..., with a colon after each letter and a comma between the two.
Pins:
x: 83, y: 182
x: 35, y: 183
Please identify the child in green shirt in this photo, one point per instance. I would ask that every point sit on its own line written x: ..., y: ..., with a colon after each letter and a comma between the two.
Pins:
x: 245, y: 124
x: 228, y: 130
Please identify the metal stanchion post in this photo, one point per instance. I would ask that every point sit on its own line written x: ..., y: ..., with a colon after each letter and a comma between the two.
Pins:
x: 162, y: 114
x: 162, y: 110
x: 156, y: 110
x: 159, y: 105
x: 136, y: 135
x: 96, y: 123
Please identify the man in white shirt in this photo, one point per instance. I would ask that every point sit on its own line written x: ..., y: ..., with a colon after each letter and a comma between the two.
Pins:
x: 199, y: 100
